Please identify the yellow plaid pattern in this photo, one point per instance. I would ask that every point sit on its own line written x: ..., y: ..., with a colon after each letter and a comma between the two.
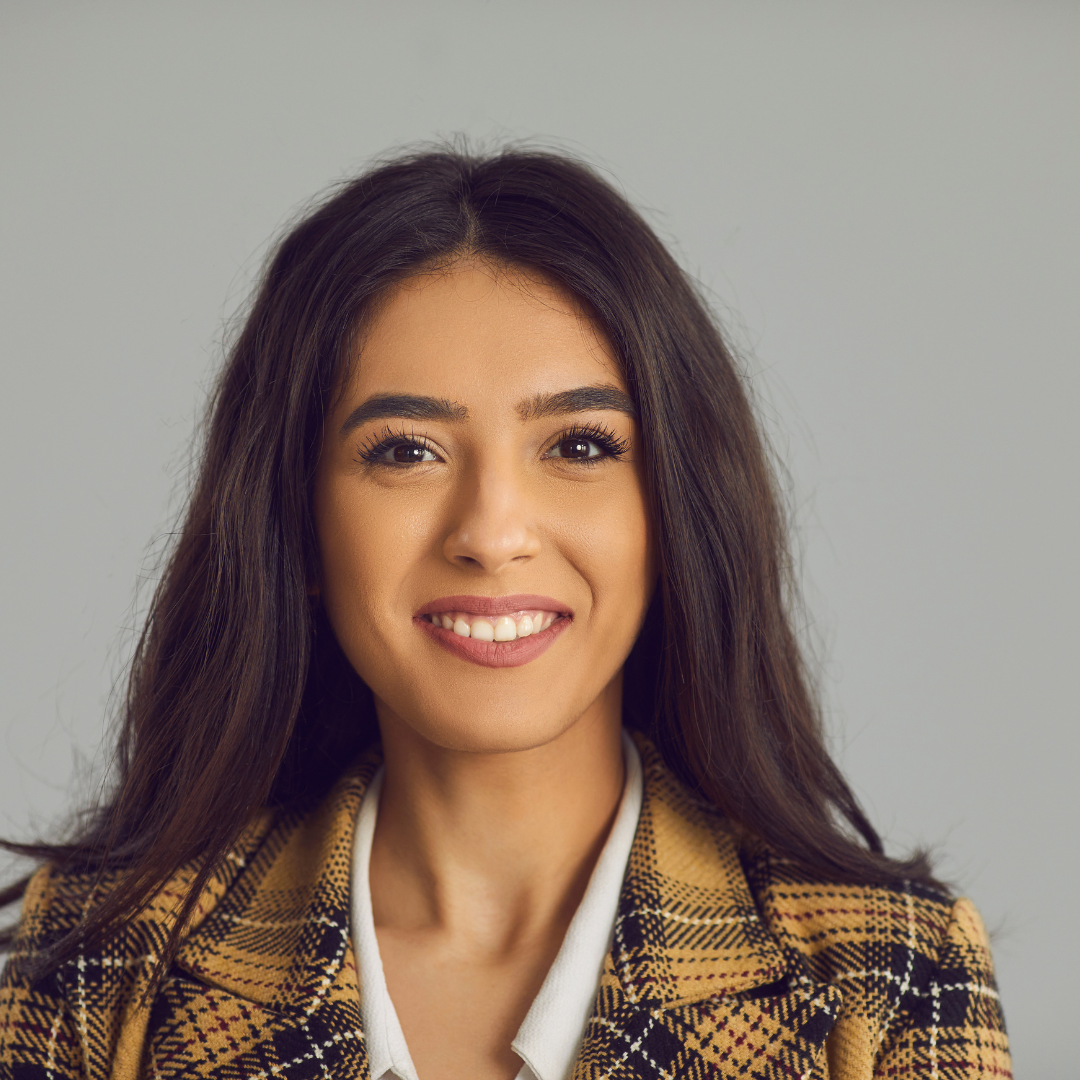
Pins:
x: 726, y: 962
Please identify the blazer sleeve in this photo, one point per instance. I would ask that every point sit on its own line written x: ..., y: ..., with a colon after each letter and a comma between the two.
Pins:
x: 949, y: 1021
x: 38, y: 1033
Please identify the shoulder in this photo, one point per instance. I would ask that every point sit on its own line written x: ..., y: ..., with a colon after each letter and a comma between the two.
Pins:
x: 92, y: 1014
x: 902, y: 974
x: 57, y: 899
x: 279, y: 848
x: 836, y: 931
x: 72, y: 1019
x: 280, y: 844
x: 820, y: 917
x: 913, y: 964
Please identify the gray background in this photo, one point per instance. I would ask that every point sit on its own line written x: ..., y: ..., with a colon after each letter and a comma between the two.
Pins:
x: 883, y: 200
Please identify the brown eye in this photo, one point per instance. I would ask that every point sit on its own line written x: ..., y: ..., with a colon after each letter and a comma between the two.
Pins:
x: 575, y: 447
x: 411, y: 454
x: 400, y: 453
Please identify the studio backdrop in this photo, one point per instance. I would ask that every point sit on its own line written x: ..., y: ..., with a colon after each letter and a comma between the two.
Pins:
x: 881, y: 200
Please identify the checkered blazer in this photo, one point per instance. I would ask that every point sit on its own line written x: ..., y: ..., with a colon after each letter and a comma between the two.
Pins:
x: 727, y: 961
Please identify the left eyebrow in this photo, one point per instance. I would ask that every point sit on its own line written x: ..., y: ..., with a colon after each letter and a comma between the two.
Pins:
x: 581, y: 399
x: 404, y: 407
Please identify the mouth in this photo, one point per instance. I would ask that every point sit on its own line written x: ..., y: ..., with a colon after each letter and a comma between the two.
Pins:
x: 520, y: 624
x: 502, y: 631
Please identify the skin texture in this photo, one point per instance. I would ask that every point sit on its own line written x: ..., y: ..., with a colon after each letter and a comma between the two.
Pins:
x: 501, y: 783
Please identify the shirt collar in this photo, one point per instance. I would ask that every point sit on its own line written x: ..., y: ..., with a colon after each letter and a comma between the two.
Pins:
x: 551, y: 1032
x: 385, y: 1041
x: 282, y: 926
x: 549, y: 1037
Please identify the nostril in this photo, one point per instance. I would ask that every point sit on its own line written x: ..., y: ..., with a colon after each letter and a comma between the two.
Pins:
x: 489, y: 548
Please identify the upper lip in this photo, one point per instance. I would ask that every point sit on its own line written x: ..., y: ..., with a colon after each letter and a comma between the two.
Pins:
x: 495, y: 605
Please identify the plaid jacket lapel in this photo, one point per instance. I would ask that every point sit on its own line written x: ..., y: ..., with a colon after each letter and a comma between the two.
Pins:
x: 695, y: 985
x: 268, y: 986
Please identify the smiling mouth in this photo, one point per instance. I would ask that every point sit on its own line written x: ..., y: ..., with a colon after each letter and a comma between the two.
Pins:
x: 500, y: 628
x: 495, y: 631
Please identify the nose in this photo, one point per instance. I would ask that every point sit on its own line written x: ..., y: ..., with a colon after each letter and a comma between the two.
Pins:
x: 492, y: 528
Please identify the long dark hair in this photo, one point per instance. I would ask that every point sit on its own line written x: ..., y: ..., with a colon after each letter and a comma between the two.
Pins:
x: 239, y: 696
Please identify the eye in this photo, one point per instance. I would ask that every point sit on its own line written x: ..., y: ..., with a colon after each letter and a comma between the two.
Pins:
x: 591, y: 444
x: 396, y: 449
x: 577, y: 447
x: 406, y: 454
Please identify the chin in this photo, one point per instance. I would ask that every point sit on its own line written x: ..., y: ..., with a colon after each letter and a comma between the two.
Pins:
x: 483, y: 723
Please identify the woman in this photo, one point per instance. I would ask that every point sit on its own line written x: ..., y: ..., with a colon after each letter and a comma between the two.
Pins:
x: 468, y: 736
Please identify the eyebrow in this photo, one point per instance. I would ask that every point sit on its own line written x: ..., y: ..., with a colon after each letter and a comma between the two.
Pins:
x: 581, y: 399
x: 403, y: 407
x: 418, y: 407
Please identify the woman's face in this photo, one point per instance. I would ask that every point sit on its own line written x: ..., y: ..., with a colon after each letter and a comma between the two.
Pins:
x: 485, y: 550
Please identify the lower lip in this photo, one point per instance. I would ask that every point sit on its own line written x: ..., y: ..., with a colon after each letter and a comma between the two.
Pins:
x: 495, y: 653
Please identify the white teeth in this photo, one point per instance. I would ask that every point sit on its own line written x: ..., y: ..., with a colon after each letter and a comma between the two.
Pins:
x: 490, y: 628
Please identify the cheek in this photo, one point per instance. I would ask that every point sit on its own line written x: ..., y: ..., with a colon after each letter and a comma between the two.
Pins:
x: 366, y: 547
x: 607, y: 538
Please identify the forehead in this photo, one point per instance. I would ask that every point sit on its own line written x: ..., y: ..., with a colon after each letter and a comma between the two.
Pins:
x: 476, y: 333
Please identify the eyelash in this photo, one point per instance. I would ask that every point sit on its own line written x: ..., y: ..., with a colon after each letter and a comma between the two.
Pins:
x: 610, y: 445
x: 372, y: 449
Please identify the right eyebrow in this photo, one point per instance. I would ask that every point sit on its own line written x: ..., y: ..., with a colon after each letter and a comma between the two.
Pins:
x: 404, y: 407
x: 581, y: 399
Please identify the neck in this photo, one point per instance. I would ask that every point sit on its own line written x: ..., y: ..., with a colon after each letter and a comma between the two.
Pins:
x: 493, y: 850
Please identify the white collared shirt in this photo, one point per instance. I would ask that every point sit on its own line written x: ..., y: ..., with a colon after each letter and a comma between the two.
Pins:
x: 549, y: 1037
